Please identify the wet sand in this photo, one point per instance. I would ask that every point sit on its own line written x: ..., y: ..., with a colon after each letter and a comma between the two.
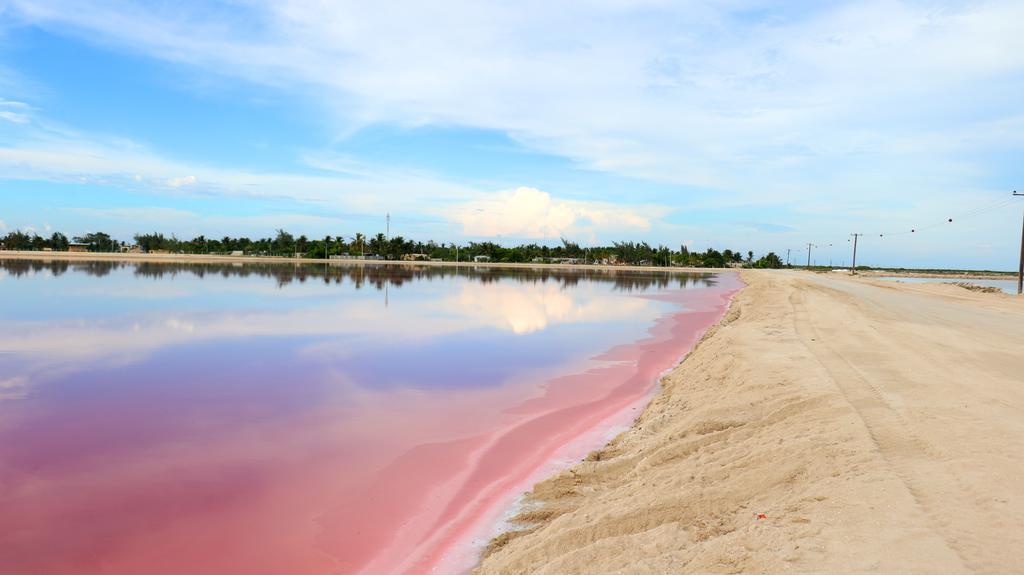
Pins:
x: 829, y: 424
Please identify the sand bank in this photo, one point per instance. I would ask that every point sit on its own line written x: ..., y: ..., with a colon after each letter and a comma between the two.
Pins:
x: 829, y: 424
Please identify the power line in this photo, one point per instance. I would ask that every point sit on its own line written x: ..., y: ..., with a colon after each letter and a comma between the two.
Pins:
x: 973, y: 212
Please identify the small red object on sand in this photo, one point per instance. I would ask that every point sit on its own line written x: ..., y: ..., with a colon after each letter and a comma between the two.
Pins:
x: 762, y: 516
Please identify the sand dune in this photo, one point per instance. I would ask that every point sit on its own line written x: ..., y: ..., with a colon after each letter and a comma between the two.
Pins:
x: 830, y: 424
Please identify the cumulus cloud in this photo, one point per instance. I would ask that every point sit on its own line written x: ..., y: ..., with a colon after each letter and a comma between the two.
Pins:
x: 535, y: 214
x: 182, y: 181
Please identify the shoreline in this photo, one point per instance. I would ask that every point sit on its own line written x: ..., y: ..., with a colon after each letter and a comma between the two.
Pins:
x: 497, y: 520
x: 527, y: 508
x: 806, y: 431
x: 217, y: 258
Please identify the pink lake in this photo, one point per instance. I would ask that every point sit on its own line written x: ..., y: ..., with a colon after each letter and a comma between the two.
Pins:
x: 268, y: 419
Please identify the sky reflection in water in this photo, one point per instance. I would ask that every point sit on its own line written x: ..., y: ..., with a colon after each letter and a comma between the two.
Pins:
x: 168, y: 418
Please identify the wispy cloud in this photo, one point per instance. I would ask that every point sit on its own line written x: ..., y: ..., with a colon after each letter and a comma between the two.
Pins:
x: 686, y: 92
x: 14, y: 112
x: 340, y: 187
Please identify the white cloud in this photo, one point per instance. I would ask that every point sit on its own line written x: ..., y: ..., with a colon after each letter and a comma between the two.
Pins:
x: 182, y: 181
x: 14, y: 117
x: 682, y: 92
x: 532, y: 213
x: 116, y: 162
x: 14, y: 112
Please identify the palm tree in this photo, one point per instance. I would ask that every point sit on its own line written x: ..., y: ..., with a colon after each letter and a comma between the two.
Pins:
x: 359, y: 242
x: 378, y: 244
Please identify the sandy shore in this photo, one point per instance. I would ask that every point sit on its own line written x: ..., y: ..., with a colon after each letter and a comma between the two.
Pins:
x: 828, y: 425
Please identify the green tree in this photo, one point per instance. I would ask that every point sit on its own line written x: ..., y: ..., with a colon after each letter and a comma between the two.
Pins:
x: 283, y: 244
x: 98, y: 242
x: 771, y: 261
x: 712, y: 259
x: 359, y: 244
x: 58, y: 242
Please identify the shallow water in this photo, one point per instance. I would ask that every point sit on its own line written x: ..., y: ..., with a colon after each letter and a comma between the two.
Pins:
x: 1008, y: 286
x: 165, y: 418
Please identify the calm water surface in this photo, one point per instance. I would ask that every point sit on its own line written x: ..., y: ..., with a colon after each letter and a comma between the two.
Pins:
x: 164, y: 418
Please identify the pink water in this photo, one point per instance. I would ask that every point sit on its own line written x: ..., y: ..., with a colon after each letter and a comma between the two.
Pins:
x: 168, y: 420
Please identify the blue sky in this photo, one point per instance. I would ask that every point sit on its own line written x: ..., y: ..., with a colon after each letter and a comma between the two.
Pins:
x: 741, y: 124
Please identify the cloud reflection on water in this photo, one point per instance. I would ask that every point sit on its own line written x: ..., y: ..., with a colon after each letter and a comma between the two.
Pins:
x: 342, y: 317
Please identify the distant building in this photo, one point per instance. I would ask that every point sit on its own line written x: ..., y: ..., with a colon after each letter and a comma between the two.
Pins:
x: 237, y: 253
x: 415, y: 257
x: 78, y: 247
x: 479, y: 259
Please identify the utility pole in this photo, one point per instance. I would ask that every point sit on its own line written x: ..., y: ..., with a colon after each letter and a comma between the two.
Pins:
x: 855, y: 236
x: 1020, y: 271
x: 809, y: 246
x: 387, y: 226
x: 787, y: 256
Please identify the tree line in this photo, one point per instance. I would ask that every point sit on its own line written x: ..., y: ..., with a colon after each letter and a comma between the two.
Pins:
x: 285, y: 244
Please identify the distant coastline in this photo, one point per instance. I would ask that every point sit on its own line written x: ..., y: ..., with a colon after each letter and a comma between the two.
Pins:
x: 217, y: 258
x: 214, y: 258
